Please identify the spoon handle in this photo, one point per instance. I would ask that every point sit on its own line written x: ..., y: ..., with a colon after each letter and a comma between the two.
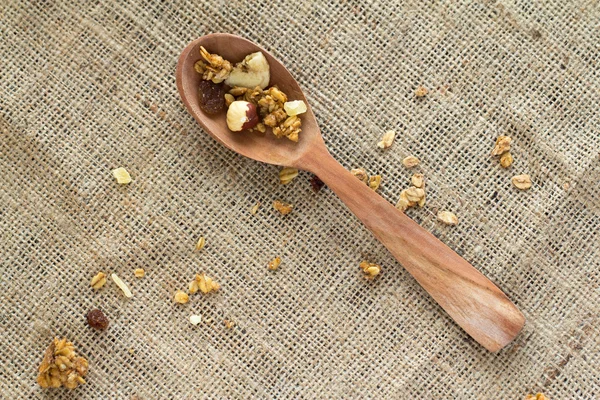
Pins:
x: 471, y: 299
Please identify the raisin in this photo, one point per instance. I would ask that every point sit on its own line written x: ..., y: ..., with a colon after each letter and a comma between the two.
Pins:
x: 316, y: 184
x: 97, y: 320
x: 212, y: 97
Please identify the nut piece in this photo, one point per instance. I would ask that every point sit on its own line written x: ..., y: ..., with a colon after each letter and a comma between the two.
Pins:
x: 387, y: 139
x: 61, y: 366
x: 403, y: 202
x: 213, y: 67
x: 418, y: 180
x: 522, y: 182
x: 228, y: 324
x: 121, y: 285
x: 447, y: 217
x: 206, y: 284
x: 370, y: 270
x: 97, y: 320
x: 139, y: 273
x: 421, y: 91
x: 122, y: 176
x: 98, y: 281
x: 229, y: 99
x: 295, y: 107
x: 255, y: 208
x: 316, y: 184
x: 410, y: 161
x: 502, y: 145
x: 181, y: 297
x: 374, y: 182
x: 200, y: 244
x: 538, y: 396
x: 252, y: 71
x: 195, y: 319
x: 274, y: 264
x: 506, y: 160
x: 287, y: 174
x: 241, y: 115
x: 282, y: 207
x: 361, y: 174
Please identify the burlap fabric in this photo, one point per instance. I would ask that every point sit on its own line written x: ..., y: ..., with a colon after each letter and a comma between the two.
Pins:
x: 86, y: 87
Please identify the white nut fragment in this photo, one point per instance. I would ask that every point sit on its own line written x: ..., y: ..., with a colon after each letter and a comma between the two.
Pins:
x: 121, y: 285
x: 253, y: 71
x: 122, y: 176
x: 387, y: 139
x: 447, y: 217
x: 195, y: 319
x: 241, y: 115
x: 295, y: 107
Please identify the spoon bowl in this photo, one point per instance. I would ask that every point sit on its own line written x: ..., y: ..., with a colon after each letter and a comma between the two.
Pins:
x: 264, y: 147
x: 471, y: 299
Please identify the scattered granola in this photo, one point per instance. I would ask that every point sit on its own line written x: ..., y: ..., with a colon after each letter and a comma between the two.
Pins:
x: 200, y: 244
x: 502, y: 145
x: 229, y: 324
x: 538, y: 396
x: 61, y: 366
x: 374, y: 182
x: 282, y: 207
x: 414, y: 194
x: 370, y: 270
x: 410, y: 161
x: 418, y: 181
x: 255, y: 208
x: 139, y: 272
x: 274, y: 264
x: 213, y: 67
x: 403, y: 204
x: 122, y: 176
x: 386, y: 140
x: 121, y: 285
x: 98, y: 281
x: 203, y: 283
x: 506, y: 160
x: 361, y: 174
x: 421, y: 91
x: 97, y: 320
x: 522, y: 182
x: 447, y: 217
x: 287, y: 174
x: 195, y: 319
x: 316, y: 184
x: 181, y: 297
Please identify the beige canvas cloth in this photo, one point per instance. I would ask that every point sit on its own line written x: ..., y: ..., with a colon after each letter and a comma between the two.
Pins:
x: 86, y: 87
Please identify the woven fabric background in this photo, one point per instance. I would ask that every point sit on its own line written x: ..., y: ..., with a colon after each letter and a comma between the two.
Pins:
x: 89, y: 86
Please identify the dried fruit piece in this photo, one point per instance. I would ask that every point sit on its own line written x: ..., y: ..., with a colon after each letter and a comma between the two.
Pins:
x: 287, y: 174
x: 282, y: 207
x: 195, y: 319
x: 121, y: 285
x: 97, y: 320
x: 418, y: 180
x: 361, y: 174
x: 274, y: 264
x: 421, y: 91
x: 370, y: 270
x: 252, y: 71
x: 122, y: 176
x: 255, y: 208
x: 374, y: 182
x: 139, y: 273
x: 200, y: 244
x: 316, y: 184
x: 241, y: 115
x: 522, y: 182
x: 502, y: 145
x: 410, y: 161
x: 98, y: 281
x: 61, y: 366
x: 295, y: 107
x: 181, y: 297
x: 211, y: 96
x: 212, y: 67
x: 206, y: 284
x: 414, y: 194
x: 447, y: 217
x: 506, y: 160
x: 387, y: 140
x: 228, y: 324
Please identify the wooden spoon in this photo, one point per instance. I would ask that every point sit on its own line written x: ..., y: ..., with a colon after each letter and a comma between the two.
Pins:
x: 471, y: 299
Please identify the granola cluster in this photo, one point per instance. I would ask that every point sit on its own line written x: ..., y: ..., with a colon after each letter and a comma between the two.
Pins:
x: 213, y: 67
x: 61, y: 366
